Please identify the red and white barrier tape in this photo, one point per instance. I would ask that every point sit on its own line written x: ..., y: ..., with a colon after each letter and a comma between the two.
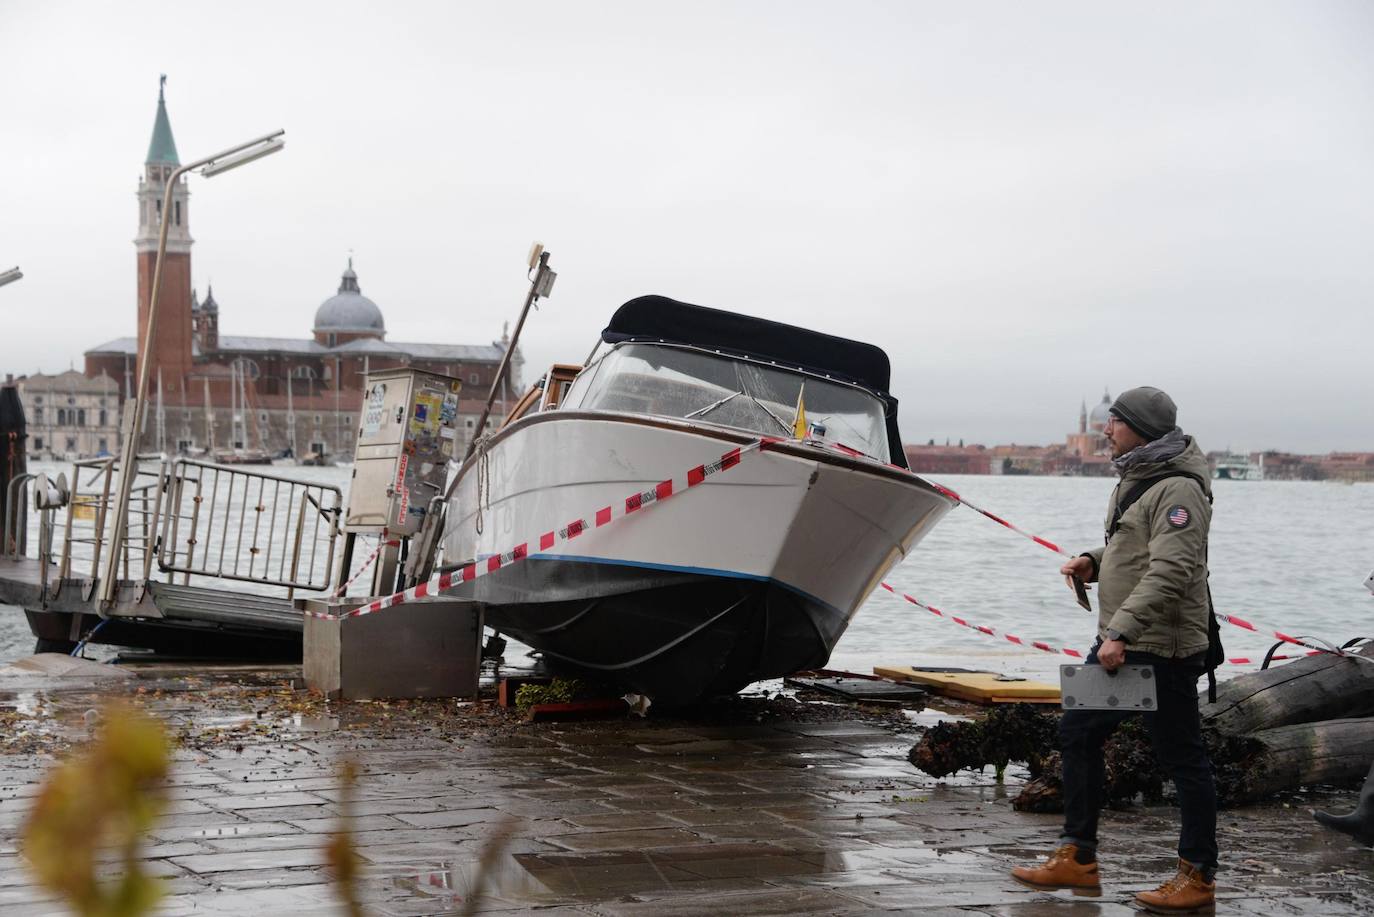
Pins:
x: 1045, y: 543
x: 1045, y: 647
x: 604, y: 516
x: 384, y: 543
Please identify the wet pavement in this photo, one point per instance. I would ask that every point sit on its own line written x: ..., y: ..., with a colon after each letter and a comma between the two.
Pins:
x: 754, y: 806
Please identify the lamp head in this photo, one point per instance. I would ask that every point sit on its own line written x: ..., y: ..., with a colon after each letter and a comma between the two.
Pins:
x: 266, y: 148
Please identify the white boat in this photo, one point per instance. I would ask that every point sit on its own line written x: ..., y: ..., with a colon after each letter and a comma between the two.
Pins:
x: 1237, y: 467
x: 754, y: 574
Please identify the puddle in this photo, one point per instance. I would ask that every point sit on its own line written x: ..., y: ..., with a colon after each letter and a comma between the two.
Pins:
x: 451, y: 885
x: 225, y: 721
x: 308, y: 723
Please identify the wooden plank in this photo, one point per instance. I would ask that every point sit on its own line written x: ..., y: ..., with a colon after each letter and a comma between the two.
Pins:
x: 977, y: 687
x: 861, y: 689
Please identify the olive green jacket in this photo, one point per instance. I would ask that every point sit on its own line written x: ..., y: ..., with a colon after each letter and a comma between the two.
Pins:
x: 1152, y: 576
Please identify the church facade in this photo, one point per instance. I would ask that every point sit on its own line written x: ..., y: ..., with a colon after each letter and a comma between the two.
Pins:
x: 211, y: 392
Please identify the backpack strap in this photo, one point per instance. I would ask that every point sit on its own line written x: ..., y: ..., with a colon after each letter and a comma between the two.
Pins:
x: 1140, y: 488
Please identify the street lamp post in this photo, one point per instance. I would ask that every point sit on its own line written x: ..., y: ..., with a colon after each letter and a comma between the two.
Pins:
x: 10, y: 276
x: 210, y: 166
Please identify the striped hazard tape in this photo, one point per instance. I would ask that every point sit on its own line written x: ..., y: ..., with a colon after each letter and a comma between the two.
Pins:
x: 1043, y: 542
x: 1229, y: 619
x: 385, y: 542
x: 604, y: 516
x: 1045, y: 647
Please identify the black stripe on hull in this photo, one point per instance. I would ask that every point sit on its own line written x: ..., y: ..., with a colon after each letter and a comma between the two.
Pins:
x: 675, y: 637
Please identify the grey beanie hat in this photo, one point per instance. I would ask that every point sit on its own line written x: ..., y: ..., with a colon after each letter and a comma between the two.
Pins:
x: 1146, y: 410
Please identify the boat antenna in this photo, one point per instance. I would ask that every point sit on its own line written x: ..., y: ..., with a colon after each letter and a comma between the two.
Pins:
x: 541, y: 285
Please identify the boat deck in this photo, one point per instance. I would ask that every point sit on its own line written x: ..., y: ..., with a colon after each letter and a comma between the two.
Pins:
x: 176, y: 618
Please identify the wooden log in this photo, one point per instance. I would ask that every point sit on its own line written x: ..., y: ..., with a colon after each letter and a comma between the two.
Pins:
x: 1303, y: 691
x: 1332, y: 751
x: 1248, y: 768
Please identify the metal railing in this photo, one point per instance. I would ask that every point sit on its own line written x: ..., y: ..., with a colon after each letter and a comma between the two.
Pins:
x: 249, y: 526
x: 87, y: 528
x: 186, y: 519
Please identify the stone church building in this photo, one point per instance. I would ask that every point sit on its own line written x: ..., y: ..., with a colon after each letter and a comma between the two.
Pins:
x: 212, y: 392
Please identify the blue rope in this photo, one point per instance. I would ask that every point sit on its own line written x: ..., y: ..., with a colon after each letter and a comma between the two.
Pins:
x: 94, y: 630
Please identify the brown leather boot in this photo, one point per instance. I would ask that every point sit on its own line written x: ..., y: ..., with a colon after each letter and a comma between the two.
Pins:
x: 1188, y: 891
x: 1062, y: 870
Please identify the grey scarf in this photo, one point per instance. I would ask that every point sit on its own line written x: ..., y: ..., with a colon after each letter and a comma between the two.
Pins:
x: 1168, y: 446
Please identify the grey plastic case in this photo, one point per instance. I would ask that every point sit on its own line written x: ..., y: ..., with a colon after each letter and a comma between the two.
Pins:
x: 1091, y: 687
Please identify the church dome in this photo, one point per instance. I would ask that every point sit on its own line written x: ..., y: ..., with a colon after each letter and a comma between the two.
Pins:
x: 349, y: 310
x: 1097, y: 420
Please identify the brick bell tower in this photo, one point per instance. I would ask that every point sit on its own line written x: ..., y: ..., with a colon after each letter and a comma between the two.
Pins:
x: 171, y: 347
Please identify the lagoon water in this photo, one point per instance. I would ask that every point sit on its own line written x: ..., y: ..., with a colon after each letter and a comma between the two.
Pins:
x: 1290, y: 556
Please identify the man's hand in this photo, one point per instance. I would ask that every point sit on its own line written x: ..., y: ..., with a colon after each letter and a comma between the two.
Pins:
x: 1080, y: 567
x: 1111, y: 654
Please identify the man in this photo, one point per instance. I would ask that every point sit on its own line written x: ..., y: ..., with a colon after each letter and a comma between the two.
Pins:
x: 1154, y: 609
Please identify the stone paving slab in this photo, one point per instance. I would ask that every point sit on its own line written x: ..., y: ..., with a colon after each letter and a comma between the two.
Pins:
x: 748, y: 807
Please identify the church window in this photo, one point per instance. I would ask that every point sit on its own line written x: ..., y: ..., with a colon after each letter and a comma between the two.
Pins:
x: 37, y: 415
x: 71, y: 400
x: 177, y: 212
x: 105, y: 445
x: 71, y: 443
x: 473, y: 378
x: 262, y: 416
x: 317, y: 420
x: 81, y: 417
x: 317, y: 448
x: 38, y: 442
x: 38, y: 399
x: 105, y: 418
x: 183, y: 445
x: 61, y: 417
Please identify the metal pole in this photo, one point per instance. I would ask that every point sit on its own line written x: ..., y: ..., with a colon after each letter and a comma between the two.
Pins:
x: 133, y: 415
x: 505, y: 363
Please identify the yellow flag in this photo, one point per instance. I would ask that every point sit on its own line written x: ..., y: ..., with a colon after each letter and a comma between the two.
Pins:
x: 799, y: 425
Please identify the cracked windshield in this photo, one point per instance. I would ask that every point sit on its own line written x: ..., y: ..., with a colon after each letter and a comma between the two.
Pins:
x: 678, y: 382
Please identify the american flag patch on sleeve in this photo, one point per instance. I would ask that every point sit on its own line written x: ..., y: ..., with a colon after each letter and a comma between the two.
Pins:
x: 1178, y: 516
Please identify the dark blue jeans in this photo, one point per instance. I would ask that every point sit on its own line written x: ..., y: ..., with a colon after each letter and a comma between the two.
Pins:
x: 1176, y: 733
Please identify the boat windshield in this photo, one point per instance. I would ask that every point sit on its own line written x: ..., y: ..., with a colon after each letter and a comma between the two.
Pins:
x: 681, y: 382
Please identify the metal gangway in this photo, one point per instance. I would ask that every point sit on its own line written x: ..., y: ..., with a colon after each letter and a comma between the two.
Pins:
x: 210, y: 559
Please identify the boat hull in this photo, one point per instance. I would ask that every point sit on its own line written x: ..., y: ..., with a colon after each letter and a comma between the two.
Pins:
x: 753, y: 574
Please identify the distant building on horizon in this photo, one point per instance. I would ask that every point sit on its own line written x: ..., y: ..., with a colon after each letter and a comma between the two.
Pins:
x: 1082, y: 453
x: 70, y: 414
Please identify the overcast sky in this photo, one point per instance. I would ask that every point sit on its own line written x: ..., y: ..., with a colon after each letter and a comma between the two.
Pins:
x: 1021, y: 202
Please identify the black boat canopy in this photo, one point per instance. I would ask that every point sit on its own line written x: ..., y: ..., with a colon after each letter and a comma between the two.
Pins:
x: 658, y: 318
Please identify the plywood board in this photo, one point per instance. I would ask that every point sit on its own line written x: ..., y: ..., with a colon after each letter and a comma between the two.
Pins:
x: 978, y: 687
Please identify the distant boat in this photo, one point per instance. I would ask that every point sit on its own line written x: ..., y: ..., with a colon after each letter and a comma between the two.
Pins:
x: 1234, y: 467
x: 242, y: 457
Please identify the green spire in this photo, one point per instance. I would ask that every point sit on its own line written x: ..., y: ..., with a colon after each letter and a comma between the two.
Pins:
x: 162, y: 148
